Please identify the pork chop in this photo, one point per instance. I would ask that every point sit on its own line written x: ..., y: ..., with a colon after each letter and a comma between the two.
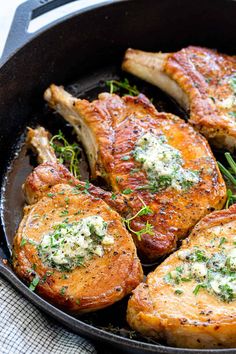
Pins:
x: 71, y: 246
x: 154, y: 159
x: 201, y: 80
x: 190, y: 299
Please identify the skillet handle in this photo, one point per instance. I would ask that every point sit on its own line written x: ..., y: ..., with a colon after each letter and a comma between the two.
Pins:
x: 19, y: 35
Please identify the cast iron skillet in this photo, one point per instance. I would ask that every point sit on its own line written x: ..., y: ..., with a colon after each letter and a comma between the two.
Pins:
x: 81, y: 51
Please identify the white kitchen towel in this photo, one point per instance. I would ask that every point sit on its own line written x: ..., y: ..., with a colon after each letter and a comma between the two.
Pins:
x: 25, y: 330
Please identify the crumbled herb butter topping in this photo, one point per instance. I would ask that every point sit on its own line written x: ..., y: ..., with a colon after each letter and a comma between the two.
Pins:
x: 215, y: 272
x: 71, y: 244
x: 163, y: 164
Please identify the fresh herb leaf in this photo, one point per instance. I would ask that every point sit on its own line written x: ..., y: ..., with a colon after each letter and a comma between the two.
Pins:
x: 198, y: 287
x: 127, y: 191
x: 117, y: 86
x: 222, y: 241
x: 230, y: 174
x: 64, y: 276
x: 66, y: 153
x: 23, y: 242
x: 64, y: 213
x: 148, y: 229
x: 34, y: 283
x: 178, y: 292
x: 63, y: 290
x: 50, y: 195
x: 113, y: 196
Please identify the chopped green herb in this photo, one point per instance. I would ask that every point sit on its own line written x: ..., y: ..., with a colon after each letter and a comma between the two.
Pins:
x: 86, y: 187
x: 213, y: 99
x: 64, y: 212
x: 67, y: 199
x: 127, y: 191
x: 232, y: 114
x: 64, y: 276
x: 50, y: 195
x: 198, y: 287
x: 78, y: 212
x: 23, y: 242
x: 168, y: 278
x: 113, y: 196
x: 34, y: 283
x: 77, y: 302
x: 124, y: 86
x: 63, y: 290
x: 226, y: 292
x: 118, y: 179
x: 34, y: 266
x: 222, y: 241
x: 178, y: 292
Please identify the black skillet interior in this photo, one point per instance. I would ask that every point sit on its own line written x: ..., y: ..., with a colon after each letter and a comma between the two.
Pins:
x: 82, y: 53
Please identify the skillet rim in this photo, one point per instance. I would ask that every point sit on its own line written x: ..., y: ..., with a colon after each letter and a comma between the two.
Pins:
x: 75, y: 324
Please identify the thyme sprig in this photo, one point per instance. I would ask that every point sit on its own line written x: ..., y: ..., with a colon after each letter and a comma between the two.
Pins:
x: 230, y: 174
x: 66, y: 153
x: 145, y: 210
x: 117, y: 86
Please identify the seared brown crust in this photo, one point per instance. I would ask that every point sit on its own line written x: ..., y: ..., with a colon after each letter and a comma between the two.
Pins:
x: 187, y: 320
x: 115, y: 124
x: 103, y: 280
x: 49, y: 174
x: 203, y: 83
x: 205, y: 76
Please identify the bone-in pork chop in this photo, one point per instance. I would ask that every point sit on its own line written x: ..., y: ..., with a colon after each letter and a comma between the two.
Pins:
x: 154, y: 159
x: 189, y: 301
x: 201, y: 80
x: 71, y: 246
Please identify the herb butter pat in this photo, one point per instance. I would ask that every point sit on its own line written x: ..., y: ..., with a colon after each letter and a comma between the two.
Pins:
x: 216, y: 272
x: 71, y: 244
x: 163, y: 164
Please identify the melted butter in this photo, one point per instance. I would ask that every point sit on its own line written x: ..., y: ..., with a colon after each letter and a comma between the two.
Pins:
x: 215, y: 272
x: 71, y: 244
x: 163, y: 164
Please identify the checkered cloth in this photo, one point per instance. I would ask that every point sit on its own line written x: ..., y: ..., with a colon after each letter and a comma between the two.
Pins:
x: 25, y: 330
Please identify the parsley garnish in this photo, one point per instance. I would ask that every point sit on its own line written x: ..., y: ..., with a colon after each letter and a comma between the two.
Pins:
x: 124, y: 86
x: 64, y: 212
x: 66, y: 153
x: 50, y: 195
x: 222, y: 241
x: 113, y: 196
x: 64, y: 276
x: 63, y: 290
x: 23, y: 242
x: 34, y: 283
x: 198, y: 287
x: 232, y: 114
x: 127, y: 191
x: 178, y: 292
